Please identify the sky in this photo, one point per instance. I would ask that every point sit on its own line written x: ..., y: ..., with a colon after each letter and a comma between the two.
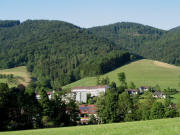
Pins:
x: 163, y: 14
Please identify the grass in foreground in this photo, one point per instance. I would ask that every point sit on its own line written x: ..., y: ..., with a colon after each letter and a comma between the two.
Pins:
x: 151, y: 127
x: 143, y: 73
x: 20, y: 73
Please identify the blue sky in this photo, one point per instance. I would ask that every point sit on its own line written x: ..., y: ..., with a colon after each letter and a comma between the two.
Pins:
x: 164, y: 14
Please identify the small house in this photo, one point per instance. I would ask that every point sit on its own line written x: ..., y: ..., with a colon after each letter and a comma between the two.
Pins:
x: 159, y: 94
x: 86, y: 111
x: 132, y: 91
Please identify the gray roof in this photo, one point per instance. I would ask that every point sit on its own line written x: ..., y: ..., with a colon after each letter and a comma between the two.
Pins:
x: 158, y: 93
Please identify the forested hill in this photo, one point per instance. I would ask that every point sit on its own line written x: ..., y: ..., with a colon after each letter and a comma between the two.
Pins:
x: 176, y: 29
x: 128, y: 35
x: 57, y: 52
x: 144, y: 40
x: 9, y: 23
x: 165, y: 49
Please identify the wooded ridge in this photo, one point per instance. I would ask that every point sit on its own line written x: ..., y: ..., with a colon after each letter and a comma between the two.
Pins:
x: 58, y: 53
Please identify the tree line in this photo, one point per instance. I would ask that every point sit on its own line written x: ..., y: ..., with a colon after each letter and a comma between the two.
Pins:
x: 20, y: 109
x: 143, y: 40
x: 58, y: 52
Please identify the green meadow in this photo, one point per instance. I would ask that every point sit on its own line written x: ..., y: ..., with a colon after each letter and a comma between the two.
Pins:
x: 143, y: 73
x: 151, y: 127
x: 20, y: 74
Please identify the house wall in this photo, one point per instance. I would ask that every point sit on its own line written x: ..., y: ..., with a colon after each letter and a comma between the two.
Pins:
x: 81, y: 94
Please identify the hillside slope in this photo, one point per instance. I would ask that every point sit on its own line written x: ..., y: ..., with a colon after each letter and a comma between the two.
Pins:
x: 165, y: 49
x: 176, y: 29
x: 151, y: 127
x: 128, y: 35
x: 21, y: 76
x: 144, y: 40
x: 143, y: 72
x: 56, y: 52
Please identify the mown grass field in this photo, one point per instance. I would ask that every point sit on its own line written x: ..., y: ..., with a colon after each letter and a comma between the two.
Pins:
x: 151, y: 127
x: 143, y: 73
x: 20, y: 73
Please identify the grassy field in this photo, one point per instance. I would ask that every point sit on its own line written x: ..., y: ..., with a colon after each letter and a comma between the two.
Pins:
x: 20, y: 73
x: 151, y: 127
x: 142, y: 73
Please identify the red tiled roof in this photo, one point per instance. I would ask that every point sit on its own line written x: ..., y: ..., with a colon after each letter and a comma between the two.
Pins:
x: 90, y: 87
x: 158, y: 93
x: 87, y: 109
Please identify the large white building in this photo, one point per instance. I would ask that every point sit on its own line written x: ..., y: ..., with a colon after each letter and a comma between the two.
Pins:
x: 80, y: 93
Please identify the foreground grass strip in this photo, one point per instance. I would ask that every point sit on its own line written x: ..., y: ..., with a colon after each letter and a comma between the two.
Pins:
x: 151, y: 127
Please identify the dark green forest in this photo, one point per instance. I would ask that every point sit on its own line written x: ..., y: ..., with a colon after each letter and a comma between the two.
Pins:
x: 144, y: 40
x: 58, y: 53
x: 20, y: 109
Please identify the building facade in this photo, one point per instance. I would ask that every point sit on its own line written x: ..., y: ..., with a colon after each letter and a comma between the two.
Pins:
x: 80, y: 93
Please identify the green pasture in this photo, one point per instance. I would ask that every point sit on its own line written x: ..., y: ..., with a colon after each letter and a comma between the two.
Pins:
x: 143, y: 73
x: 20, y: 73
x: 151, y: 127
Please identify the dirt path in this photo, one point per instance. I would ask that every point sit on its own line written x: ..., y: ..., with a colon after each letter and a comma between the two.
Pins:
x: 162, y: 64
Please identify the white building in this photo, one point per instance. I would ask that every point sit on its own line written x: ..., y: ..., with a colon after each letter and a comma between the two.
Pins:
x: 80, y: 93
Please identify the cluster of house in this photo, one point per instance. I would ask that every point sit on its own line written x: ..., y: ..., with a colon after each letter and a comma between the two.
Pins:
x: 142, y: 89
x: 80, y: 94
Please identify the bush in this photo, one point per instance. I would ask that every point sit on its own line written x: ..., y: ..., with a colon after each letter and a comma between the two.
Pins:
x: 47, y: 122
x: 92, y: 119
x: 12, y: 125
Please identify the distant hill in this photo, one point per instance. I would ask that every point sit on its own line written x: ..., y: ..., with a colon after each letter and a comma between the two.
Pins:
x: 144, y: 40
x: 165, y: 49
x: 128, y: 35
x: 56, y: 52
x: 176, y: 29
x: 143, y: 73
x: 9, y: 23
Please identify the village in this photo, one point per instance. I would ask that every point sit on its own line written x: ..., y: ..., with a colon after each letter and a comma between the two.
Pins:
x: 81, y: 94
